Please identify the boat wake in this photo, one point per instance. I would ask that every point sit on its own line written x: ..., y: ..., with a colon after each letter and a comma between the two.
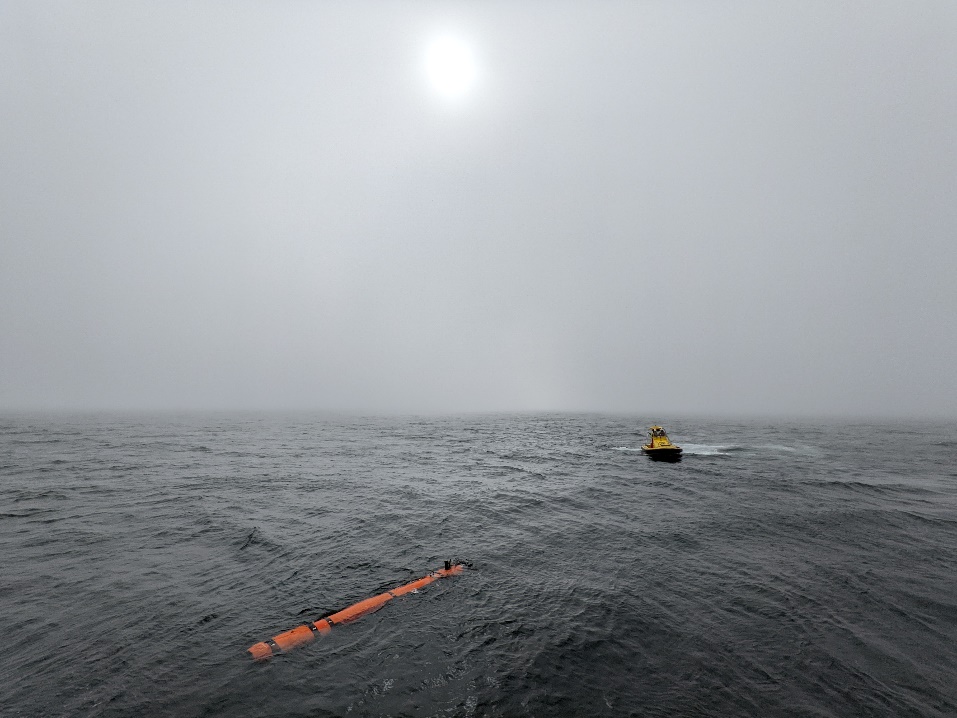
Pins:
x: 710, y: 449
x: 694, y: 449
x: 731, y: 449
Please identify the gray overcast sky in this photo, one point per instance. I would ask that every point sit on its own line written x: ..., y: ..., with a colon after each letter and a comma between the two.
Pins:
x: 719, y: 207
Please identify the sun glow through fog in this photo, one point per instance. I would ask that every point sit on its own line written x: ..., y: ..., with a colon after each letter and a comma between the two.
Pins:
x: 451, y: 67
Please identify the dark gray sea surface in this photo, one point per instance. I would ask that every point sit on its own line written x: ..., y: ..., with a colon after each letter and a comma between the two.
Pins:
x: 781, y: 568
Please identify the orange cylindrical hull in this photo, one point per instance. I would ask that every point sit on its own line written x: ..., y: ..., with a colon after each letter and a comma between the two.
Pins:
x: 307, y: 633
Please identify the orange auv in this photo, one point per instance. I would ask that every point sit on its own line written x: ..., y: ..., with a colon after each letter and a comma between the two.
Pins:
x: 307, y: 633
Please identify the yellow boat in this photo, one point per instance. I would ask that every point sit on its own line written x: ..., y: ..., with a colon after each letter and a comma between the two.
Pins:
x: 660, y: 447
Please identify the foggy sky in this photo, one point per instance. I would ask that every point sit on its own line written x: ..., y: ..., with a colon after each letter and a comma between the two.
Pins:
x: 672, y: 207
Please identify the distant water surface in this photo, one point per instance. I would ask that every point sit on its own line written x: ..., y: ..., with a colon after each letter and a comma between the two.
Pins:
x: 790, y: 569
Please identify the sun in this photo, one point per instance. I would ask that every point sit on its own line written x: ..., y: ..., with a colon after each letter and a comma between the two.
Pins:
x: 451, y: 67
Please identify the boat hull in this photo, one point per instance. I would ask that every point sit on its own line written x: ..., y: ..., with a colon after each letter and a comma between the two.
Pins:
x: 663, y: 453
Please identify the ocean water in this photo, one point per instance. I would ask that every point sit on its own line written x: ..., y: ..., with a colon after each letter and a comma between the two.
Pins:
x: 781, y: 568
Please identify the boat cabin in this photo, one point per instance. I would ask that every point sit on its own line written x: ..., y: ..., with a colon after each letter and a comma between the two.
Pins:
x: 659, y: 439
